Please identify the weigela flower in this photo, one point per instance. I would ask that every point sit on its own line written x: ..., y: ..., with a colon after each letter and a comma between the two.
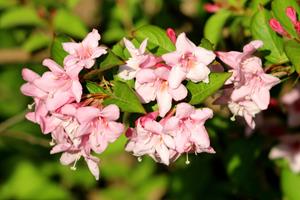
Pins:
x: 150, y: 138
x: 188, y: 129
x: 188, y: 62
x: 292, y: 102
x: 139, y: 59
x: 83, y: 54
x: 167, y: 139
x: 153, y: 84
x: 288, y: 149
x: 54, y: 88
x: 251, y: 84
x: 100, y: 125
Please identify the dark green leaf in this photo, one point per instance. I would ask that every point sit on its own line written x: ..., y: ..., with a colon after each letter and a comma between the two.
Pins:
x: 124, y: 97
x: 292, y: 50
x: 205, y: 43
x: 158, y: 41
x: 68, y: 23
x: 200, y: 91
x: 273, y: 44
x: 20, y: 16
x: 57, y: 52
x: 214, y: 26
x: 94, y: 88
x: 278, y: 9
x: 109, y: 60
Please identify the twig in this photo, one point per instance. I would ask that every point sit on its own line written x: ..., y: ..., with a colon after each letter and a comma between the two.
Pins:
x: 12, y: 121
x: 26, y: 137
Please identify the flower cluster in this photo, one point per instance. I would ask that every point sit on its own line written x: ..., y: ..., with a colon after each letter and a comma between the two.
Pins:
x: 165, y: 140
x: 75, y: 127
x: 249, y: 93
x: 81, y: 125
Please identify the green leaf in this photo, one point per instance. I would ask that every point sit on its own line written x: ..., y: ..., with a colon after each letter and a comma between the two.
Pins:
x: 278, y: 9
x: 205, y: 43
x: 158, y: 41
x: 124, y: 97
x: 36, y: 41
x: 118, y: 50
x: 94, y: 88
x: 214, y: 25
x: 292, y: 50
x: 20, y: 16
x: 68, y: 23
x: 4, y: 4
x: 57, y: 52
x: 273, y: 44
x: 290, y: 184
x: 200, y: 91
x: 109, y: 60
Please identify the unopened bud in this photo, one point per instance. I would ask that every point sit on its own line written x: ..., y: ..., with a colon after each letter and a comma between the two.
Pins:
x: 276, y: 26
x: 171, y: 34
x: 291, y: 13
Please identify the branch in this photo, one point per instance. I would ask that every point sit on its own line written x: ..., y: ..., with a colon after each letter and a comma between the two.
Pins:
x: 12, y: 121
x: 26, y: 137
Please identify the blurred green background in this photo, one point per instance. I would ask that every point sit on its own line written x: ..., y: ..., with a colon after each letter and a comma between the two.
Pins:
x: 239, y: 170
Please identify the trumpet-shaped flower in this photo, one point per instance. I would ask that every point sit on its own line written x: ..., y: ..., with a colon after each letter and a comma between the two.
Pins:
x: 153, y: 84
x: 83, y: 54
x: 188, y: 62
x: 139, y: 59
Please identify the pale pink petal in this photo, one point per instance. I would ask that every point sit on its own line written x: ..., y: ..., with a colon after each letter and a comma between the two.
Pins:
x: 178, y: 93
x: 146, y: 92
x: 98, y: 51
x: 279, y: 151
x: 93, y: 167
x: 91, y: 40
x: 68, y: 158
x: 60, y: 148
x: 111, y: 112
x: 177, y: 75
x: 171, y: 58
x: 203, y: 55
x: 198, y: 73
x: 252, y: 47
x: 86, y: 114
x: 29, y: 75
x: 184, y: 110
x: 143, y: 46
x: 241, y: 92
x: 145, y: 76
x: 77, y: 90
x: 183, y: 44
x: 70, y: 47
x: 202, y: 114
x: 261, y: 98
x: 59, y: 99
x: 164, y: 100
x: 199, y: 136
x: 232, y: 58
x: 53, y: 66
x: 163, y: 154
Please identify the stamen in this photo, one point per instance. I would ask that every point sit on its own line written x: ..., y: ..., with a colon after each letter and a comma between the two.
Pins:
x: 187, y: 162
x: 52, y: 143
x: 139, y: 159
x: 74, y: 165
x: 30, y: 106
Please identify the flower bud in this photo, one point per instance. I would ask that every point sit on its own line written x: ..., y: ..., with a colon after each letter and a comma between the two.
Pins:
x: 171, y: 34
x: 276, y: 26
x: 291, y: 13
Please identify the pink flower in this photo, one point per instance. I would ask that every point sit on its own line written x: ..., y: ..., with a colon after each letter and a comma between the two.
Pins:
x: 67, y: 138
x: 188, y: 128
x: 139, y: 59
x: 250, y: 83
x: 149, y: 138
x: 83, y: 54
x: 292, y: 102
x: 289, y: 149
x: 153, y: 84
x: 55, y: 88
x: 100, y: 125
x: 188, y: 62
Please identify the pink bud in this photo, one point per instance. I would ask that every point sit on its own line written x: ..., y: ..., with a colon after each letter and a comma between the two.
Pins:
x: 211, y: 8
x: 297, y: 27
x: 171, y: 34
x: 276, y: 26
x: 291, y: 13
